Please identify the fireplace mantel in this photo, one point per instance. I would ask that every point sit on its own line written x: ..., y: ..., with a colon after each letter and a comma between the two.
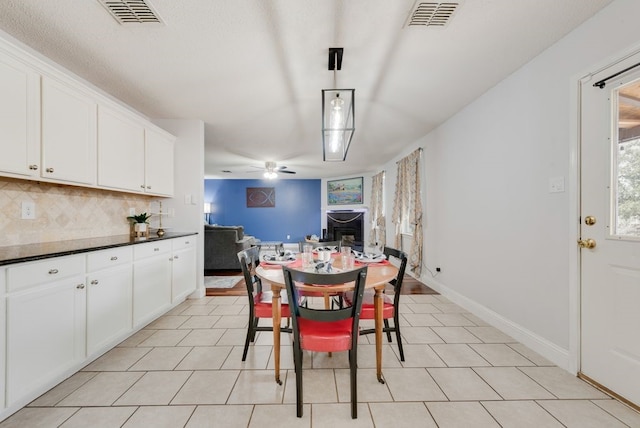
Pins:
x: 346, y: 226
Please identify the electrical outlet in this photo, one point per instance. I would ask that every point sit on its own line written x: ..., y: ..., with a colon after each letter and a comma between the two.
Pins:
x: 132, y: 211
x: 28, y: 210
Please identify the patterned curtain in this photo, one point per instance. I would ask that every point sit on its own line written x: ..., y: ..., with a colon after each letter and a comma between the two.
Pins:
x: 407, y: 207
x: 378, y: 222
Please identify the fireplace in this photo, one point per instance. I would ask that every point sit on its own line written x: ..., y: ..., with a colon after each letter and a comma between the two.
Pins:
x: 346, y: 226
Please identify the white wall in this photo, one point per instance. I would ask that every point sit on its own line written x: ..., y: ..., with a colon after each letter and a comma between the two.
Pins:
x: 187, y: 205
x: 504, y: 243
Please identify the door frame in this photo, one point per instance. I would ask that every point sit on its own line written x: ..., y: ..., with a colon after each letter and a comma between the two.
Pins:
x: 620, y: 60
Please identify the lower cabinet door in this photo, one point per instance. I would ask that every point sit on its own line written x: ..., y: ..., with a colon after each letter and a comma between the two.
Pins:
x: 184, y: 274
x: 45, y: 335
x: 109, y: 306
x: 152, y: 287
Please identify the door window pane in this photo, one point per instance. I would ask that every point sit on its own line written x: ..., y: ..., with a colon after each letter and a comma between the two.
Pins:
x: 627, y: 162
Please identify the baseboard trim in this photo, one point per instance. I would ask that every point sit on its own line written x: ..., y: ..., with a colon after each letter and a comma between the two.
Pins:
x: 542, y: 346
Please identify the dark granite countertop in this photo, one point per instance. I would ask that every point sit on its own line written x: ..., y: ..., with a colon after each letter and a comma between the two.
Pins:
x: 30, y: 252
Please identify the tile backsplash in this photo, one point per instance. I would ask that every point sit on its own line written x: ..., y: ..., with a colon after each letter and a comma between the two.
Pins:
x: 64, y: 212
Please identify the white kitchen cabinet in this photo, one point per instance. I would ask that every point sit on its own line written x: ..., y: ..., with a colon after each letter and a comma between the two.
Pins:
x: 121, y: 151
x: 45, y: 324
x: 151, y: 281
x: 109, y: 297
x: 131, y: 155
x: 68, y: 133
x: 19, y: 118
x: 183, y: 278
x: 158, y: 163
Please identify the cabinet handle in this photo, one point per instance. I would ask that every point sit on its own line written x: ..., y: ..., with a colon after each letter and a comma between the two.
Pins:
x: 149, y: 187
x: 142, y: 186
x: 49, y: 170
x: 187, y: 242
x: 175, y: 257
x: 80, y: 286
x: 94, y: 282
x: 33, y: 167
x: 53, y: 271
x: 156, y: 249
x: 114, y: 258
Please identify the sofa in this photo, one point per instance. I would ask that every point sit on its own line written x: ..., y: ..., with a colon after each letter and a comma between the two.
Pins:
x: 222, y: 245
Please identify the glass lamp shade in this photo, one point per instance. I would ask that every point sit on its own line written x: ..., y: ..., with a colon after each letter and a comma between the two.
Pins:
x: 338, y: 123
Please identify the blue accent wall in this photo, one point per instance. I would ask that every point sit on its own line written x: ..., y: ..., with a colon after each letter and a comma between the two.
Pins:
x: 297, y: 212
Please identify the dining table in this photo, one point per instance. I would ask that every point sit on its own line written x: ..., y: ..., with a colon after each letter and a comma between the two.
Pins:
x: 378, y: 276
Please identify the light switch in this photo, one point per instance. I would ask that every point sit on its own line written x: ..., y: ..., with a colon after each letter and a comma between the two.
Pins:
x: 556, y: 184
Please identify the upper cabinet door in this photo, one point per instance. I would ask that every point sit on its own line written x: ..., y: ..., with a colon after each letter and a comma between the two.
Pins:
x: 120, y: 151
x: 158, y: 163
x: 68, y: 133
x: 19, y: 118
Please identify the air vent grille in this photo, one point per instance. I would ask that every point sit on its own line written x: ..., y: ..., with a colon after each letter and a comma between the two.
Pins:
x: 131, y: 11
x: 432, y: 14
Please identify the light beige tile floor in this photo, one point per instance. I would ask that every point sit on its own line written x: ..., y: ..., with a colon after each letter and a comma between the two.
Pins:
x: 185, y: 370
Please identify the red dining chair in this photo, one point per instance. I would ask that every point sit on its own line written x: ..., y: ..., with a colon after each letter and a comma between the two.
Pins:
x: 390, y: 307
x: 259, y: 300
x: 325, y: 330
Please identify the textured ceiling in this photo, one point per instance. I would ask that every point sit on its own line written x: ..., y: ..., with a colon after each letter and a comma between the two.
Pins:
x: 252, y: 70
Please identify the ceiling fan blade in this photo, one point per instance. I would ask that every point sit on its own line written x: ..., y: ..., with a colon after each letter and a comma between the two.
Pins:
x: 283, y: 171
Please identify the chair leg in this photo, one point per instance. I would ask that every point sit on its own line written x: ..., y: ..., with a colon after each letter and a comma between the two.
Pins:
x: 398, y: 337
x: 387, y: 329
x: 254, y: 329
x: 297, y: 363
x: 353, y: 369
x: 250, y: 335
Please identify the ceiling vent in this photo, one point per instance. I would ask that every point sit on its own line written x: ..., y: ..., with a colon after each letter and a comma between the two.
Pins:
x: 432, y: 14
x: 131, y: 11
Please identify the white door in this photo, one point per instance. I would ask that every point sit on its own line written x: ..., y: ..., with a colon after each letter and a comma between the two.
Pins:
x: 610, y: 197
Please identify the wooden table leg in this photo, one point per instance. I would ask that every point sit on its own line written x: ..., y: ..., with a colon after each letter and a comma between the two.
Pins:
x: 377, y: 301
x: 276, y: 312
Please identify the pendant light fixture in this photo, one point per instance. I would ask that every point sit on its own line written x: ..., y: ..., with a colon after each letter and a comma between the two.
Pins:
x: 338, y: 114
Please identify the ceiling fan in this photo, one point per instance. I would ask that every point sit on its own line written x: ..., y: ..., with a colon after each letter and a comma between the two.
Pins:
x: 271, y: 170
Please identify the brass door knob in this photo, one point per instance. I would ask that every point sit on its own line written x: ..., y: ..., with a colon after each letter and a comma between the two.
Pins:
x: 589, y: 220
x: 587, y: 243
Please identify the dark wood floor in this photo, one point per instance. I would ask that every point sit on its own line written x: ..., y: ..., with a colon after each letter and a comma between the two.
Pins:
x: 410, y: 285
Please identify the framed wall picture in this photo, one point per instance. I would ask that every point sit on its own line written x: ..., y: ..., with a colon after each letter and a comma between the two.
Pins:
x: 261, y: 197
x: 347, y: 191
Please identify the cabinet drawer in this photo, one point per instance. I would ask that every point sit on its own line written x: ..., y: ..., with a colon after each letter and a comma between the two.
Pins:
x: 185, y: 242
x: 106, y: 258
x: 151, y: 249
x: 33, y: 273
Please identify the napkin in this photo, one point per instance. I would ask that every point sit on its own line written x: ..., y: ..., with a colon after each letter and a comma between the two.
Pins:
x: 331, y: 248
x: 368, y: 256
x: 282, y: 257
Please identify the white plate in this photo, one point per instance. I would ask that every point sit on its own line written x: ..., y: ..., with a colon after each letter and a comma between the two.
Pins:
x: 277, y: 262
x: 313, y: 270
x: 367, y: 260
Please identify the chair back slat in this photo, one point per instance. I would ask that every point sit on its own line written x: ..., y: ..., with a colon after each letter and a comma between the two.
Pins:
x: 337, y: 244
x: 249, y: 261
x: 397, y: 282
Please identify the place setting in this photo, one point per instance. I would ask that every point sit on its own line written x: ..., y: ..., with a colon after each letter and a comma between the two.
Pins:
x: 283, y: 258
